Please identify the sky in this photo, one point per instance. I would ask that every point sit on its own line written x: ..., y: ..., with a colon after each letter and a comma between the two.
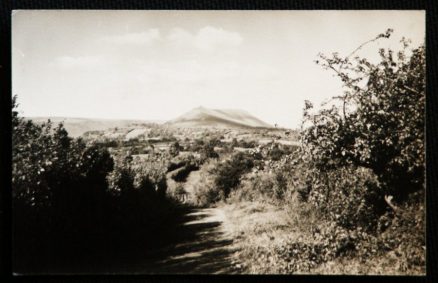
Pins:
x: 157, y: 65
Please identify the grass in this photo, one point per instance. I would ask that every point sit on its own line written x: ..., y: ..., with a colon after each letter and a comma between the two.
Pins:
x: 255, y: 227
x: 270, y: 239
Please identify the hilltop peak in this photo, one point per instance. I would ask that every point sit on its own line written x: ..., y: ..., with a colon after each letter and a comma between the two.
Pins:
x: 222, y: 118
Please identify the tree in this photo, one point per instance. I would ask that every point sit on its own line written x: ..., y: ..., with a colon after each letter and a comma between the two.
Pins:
x: 207, y: 150
x: 379, y: 123
x: 228, y: 173
x: 175, y: 148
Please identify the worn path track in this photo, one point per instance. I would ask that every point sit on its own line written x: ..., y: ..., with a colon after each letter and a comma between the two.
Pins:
x: 200, y: 245
x: 203, y: 246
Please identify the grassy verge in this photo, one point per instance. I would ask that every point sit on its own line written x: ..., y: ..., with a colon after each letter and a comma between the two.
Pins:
x: 270, y: 240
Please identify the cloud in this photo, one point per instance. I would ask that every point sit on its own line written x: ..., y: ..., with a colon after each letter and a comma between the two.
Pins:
x: 194, y: 72
x: 138, y: 38
x: 180, y: 36
x: 186, y: 71
x: 79, y: 61
x: 210, y: 37
x: 207, y: 38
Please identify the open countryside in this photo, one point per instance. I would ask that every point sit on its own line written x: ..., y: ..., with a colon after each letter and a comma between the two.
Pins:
x: 258, y: 142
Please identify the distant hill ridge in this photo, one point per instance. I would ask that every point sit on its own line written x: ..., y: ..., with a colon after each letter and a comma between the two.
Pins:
x: 221, y: 118
x: 197, y: 117
x: 78, y: 126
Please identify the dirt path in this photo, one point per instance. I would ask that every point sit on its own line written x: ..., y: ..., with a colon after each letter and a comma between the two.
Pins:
x: 197, y: 244
x: 201, y: 246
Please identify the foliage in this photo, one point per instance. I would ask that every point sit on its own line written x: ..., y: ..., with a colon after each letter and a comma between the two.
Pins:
x: 267, y: 185
x: 181, y: 161
x: 275, y: 153
x: 207, y: 150
x: 228, y: 173
x: 197, y: 145
x: 179, y: 193
x: 205, y: 191
x: 243, y: 143
x: 318, y: 245
x: 258, y: 187
x: 181, y: 174
x: 368, y: 144
x: 219, y: 178
x: 404, y: 233
x: 348, y: 196
x: 356, y: 153
x: 380, y: 123
x: 73, y: 203
x: 70, y: 197
x: 175, y: 148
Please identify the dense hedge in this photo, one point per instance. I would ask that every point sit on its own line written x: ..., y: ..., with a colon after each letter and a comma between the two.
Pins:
x: 74, y: 207
x: 379, y: 121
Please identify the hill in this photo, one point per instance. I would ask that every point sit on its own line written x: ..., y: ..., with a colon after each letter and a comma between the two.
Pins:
x: 219, y: 118
x: 78, y: 126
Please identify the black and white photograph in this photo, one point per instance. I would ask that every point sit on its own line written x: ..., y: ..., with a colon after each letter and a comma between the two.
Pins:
x: 218, y: 142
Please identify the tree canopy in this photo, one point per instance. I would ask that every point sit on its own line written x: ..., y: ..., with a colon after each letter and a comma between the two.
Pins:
x: 379, y: 123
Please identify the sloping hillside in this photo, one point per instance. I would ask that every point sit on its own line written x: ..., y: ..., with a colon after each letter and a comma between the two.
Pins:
x: 220, y: 118
x: 77, y: 126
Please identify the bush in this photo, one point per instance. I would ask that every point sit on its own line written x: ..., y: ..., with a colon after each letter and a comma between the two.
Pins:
x: 182, y: 174
x: 380, y: 123
x: 262, y: 186
x: 72, y: 203
x: 205, y: 192
x: 228, y: 173
x: 58, y: 186
x: 181, y: 161
x: 175, y: 148
x: 207, y: 150
x: 354, y: 156
x: 350, y: 197
x: 404, y: 232
x: 258, y: 187
x: 276, y: 153
x: 179, y: 194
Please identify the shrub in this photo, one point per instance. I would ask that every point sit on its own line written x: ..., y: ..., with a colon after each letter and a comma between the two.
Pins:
x: 229, y: 172
x: 72, y: 203
x: 380, y: 123
x: 182, y: 174
x: 349, y: 196
x: 58, y: 187
x: 276, y: 153
x: 175, y: 148
x: 355, y: 155
x: 179, y: 193
x: 205, y: 192
x: 257, y: 187
x: 207, y: 150
x: 261, y: 186
x: 404, y: 232
x: 181, y: 161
